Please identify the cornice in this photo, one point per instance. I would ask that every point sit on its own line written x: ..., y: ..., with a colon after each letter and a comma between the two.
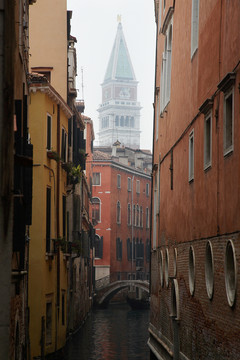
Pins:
x: 53, y: 95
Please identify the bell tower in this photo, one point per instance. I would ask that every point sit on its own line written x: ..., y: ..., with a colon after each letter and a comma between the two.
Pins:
x: 119, y: 112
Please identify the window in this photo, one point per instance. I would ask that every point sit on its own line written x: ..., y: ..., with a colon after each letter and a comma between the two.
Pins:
x: 157, y: 115
x: 141, y: 216
x: 122, y: 121
x: 191, y: 156
x: 194, y: 26
x: 138, y: 187
x: 147, y: 218
x: 147, y: 189
x: 48, y: 220
x: 129, y: 250
x: 129, y: 214
x: 118, y: 212
x: 96, y: 210
x: 137, y: 215
x: 118, y: 181
x: 161, y: 267
x: 64, y: 146
x: 96, y: 180
x: 165, y: 82
x: 117, y: 120
x: 98, y: 247
x: 228, y: 122
x: 230, y: 273
x: 119, y: 249
x: 191, y: 270
x: 208, y: 140
x: 175, y: 262
x: 169, y: 64
x: 209, y: 270
x: 49, y: 132
x: 134, y: 215
x: 134, y: 249
x: 129, y: 184
x: 166, y: 266
x: 48, y: 322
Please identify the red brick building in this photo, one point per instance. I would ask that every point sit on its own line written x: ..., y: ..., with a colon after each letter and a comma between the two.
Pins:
x: 121, y: 185
x: 196, y: 222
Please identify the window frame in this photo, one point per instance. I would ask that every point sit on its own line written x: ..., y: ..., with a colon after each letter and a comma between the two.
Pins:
x: 194, y: 27
x: 118, y: 249
x: 229, y: 149
x: 129, y: 184
x: 64, y: 143
x: 147, y: 189
x: 94, y: 210
x: 191, y: 157
x: 138, y: 187
x: 118, y: 212
x: 129, y: 220
x: 94, y: 178
x: 118, y: 181
x: 208, y: 162
x: 49, y: 132
x: 99, y: 239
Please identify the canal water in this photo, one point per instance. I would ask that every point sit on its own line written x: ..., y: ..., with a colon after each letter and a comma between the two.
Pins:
x: 115, y: 333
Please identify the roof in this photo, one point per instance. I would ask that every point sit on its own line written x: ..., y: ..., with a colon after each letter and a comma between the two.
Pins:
x: 99, y: 155
x: 119, y: 65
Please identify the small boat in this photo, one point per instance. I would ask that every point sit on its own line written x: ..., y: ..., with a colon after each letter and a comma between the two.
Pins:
x: 138, y: 303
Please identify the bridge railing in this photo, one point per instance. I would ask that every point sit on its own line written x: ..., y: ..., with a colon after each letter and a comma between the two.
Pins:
x: 102, y: 282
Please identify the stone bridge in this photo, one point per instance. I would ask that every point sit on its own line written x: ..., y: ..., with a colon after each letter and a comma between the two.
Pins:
x: 104, y: 293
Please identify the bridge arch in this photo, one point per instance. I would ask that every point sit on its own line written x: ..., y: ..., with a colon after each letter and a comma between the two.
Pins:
x: 106, y: 293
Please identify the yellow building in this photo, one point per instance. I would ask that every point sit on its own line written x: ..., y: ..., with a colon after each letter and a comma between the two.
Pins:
x: 48, y: 124
x: 48, y: 42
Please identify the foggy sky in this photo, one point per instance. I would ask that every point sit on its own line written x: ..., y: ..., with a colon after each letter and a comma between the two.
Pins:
x: 94, y: 24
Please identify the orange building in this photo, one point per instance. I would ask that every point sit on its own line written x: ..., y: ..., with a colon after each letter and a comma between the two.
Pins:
x: 121, y: 212
x: 195, y: 211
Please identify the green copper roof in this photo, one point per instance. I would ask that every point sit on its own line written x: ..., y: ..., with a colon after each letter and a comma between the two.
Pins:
x: 119, y: 65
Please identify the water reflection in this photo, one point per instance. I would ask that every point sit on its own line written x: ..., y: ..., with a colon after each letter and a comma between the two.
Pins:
x: 116, y: 333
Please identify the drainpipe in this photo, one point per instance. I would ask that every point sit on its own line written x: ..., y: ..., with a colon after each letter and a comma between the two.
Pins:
x: 151, y: 210
x: 58, y: 229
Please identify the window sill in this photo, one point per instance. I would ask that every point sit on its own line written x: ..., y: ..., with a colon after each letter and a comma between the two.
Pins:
x: 207, y: 167
x: 228, y: 151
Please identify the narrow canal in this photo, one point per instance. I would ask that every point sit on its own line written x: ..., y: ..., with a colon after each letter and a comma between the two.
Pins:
x: 115, y: 333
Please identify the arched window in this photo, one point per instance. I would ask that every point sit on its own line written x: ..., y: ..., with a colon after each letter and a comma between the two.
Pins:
x: 118, y: 212
x: 96, y: 208
x: 134, y: 215
x: 98, y: 247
